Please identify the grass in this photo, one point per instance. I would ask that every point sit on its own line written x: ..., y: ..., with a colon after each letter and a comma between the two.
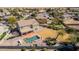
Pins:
x: 56, y: 26
x: 2, y: 36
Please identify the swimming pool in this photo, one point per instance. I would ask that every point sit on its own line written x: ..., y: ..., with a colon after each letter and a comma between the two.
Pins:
x: 30, y: 40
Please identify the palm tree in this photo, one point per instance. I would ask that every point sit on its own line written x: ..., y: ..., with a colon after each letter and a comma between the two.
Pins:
x: 60, y: 32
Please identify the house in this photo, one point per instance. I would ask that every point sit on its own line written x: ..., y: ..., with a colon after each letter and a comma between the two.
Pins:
x: 42, y: 18
x: 41, y: 10
x: 72, y: 23
x: 27, y: 25
x: 67, y: 16
x: 43, y: 15
x: 37, y: 37
x: 3, y: 28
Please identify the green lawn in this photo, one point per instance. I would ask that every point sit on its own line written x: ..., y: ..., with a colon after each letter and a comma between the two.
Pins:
x: 2, y: 35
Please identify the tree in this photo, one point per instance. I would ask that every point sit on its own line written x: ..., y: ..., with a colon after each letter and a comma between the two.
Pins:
x: 31, y: 26
x: 61, y: 21
x: 11, y: 20
x: 60, y: 32
x: 48, y: 10
x: 1, y: 19
x: 70, y: 30
x: 58, y: 21
x: 50, y: 41
x: 33, y: 15
x: 1, y: 10
x: 56, y: 26
x: 77, y: 39
x: 23, y: 49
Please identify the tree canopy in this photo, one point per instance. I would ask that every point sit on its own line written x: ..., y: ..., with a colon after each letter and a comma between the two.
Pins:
x: 11, y: 20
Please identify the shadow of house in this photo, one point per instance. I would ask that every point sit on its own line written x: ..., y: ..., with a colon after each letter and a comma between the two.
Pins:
x: 76, y: 18
x: 66, y: 47
x: 15, y: 31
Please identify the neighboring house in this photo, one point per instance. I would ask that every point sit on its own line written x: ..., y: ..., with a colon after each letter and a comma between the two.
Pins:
x: 67, y: 16
x: 2, y: 14
x: 3, y: 28
x: 42, y: 16
x: 6, y: 17
x: 26, y: 16
x: 76, y: 18
x: 72, y: 23
x: 41, y: 10
x: 27, y: 25
x: 3, y: 31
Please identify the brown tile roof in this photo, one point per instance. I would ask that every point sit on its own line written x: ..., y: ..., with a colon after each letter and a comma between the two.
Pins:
x: 27, y: 22
x: 71, y: 21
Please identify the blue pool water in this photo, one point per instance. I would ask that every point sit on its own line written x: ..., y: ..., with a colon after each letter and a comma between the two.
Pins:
x: 30, y: 40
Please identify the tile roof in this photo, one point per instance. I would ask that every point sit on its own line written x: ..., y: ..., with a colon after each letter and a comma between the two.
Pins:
x: 71, y: 21
x: 27, y: 22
